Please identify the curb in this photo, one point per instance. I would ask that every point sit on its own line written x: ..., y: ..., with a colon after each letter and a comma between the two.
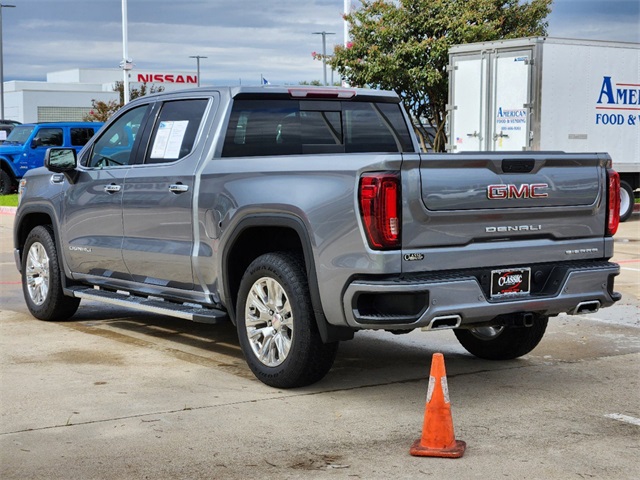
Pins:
x: 8, y: 210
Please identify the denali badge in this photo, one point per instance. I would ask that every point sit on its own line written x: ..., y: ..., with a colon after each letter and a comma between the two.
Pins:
x: 514, y: 228
x: 581, y: 250
x: 502, y: 192
x: 79, y: 249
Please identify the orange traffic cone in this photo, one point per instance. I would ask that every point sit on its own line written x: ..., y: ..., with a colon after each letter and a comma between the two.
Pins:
x: 438, y: 439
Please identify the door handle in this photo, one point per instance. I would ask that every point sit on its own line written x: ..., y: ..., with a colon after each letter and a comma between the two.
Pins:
x: 178, y: 188
x: 113, y: 188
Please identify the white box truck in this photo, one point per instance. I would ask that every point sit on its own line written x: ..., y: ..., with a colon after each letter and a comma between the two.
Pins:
x: 543, y: 93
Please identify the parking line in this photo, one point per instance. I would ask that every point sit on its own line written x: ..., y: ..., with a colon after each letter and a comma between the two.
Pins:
x: 624, y: 418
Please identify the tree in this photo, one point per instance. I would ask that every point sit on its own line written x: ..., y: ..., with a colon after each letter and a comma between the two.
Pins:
x: 102, y: 111
x: 403, y: 45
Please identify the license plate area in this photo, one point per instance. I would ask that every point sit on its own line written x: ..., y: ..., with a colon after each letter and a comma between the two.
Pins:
x: 510, y: 282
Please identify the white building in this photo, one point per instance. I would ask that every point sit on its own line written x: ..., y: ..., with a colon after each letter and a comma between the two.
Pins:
x: 67, y: 95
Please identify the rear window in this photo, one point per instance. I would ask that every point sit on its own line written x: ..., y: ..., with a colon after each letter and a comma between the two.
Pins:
x: 298, y: 127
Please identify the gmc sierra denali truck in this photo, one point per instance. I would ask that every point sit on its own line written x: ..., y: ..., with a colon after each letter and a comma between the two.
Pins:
x: 303, y: 215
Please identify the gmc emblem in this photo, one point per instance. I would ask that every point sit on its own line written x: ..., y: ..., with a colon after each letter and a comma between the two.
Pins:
x: 502, y: 192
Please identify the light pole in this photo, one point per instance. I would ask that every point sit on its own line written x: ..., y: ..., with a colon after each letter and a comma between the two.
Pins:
x: 324, y: 52
x: 2, y: 63
x: 197, y: 57
x: 347, y: 11
x: 126, y: 64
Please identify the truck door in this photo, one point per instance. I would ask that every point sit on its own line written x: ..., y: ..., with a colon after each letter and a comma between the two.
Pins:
x: 511, y: 97
x: 158, y: 197
x: 469, y: 102
x: 93, y: 203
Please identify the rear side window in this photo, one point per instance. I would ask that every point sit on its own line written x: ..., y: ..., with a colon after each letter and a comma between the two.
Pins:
x: 298, y: 127
x: 48, y: 137
x: 175, y: 131
x: 80, y: 136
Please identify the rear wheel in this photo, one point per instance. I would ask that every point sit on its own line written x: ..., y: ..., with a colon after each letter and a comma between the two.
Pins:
x: 276, y: 326
x: 41, y: 278
x: 627, y: 201
x: 502, y: 342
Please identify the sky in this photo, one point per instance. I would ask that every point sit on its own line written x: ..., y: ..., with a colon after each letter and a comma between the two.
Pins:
x: 242, y: 39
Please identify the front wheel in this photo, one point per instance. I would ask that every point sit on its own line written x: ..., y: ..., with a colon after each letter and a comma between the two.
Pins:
x: 6, y: 186
x: 42, y: 278
x: 502, y: 342
x: 276, y: 326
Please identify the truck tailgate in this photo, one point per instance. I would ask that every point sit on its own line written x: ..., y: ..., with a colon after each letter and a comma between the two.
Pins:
x: 490, y: 204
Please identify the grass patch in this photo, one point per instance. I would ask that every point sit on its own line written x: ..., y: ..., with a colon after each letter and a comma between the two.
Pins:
x: 9, y: 200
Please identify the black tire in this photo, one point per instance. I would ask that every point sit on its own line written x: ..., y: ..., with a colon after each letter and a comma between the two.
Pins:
x: 42, y: 280
x: 286, y: 350
x: 502, y: 343
x: 6, y: 185
x: 626, y: 201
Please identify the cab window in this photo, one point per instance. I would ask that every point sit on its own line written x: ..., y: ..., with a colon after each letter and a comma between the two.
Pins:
x: 115, y: 147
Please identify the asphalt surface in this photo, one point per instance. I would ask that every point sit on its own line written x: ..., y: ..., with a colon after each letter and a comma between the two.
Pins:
x: 119, y: 394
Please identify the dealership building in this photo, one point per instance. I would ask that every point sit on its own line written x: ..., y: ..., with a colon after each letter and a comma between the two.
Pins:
x: 67, y: 95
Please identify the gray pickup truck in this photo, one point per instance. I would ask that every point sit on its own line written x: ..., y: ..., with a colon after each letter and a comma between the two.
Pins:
x: 303, y: 215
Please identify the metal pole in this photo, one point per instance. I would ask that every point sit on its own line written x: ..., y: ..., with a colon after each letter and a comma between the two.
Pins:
x: 197, y: 57
x: 2, y: 64
x: 324, y: 52
x: 347, y: 11
x: 126, y: 63
x: 324, y: 58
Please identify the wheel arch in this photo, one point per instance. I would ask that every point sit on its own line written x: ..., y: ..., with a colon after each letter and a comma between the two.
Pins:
x: 27, y: 220
x: 258, y: 234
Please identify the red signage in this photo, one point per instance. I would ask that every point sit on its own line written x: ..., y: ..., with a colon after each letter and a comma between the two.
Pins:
x: 166, y: 78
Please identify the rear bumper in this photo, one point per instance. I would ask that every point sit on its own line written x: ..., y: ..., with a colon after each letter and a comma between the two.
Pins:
x: 458, y: 299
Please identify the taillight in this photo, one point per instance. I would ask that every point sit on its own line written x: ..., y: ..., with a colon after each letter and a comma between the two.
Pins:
x: 380, y: 209
x: 321, y: 93
x: 613, y: 202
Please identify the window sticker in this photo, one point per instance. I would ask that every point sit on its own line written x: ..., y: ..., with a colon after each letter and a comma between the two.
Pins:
x: 169, y: 139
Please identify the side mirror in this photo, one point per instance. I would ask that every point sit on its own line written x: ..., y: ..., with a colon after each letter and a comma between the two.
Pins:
x: 36, y: 142
x: 60, y: 160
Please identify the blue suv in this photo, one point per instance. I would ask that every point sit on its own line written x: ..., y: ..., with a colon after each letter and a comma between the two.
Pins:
x: 26, y: 145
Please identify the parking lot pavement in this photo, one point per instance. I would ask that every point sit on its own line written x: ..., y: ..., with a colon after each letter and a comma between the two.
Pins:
x: 118, y: 394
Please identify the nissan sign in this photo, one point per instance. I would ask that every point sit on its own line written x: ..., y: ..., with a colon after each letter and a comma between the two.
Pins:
x: 166, y: 78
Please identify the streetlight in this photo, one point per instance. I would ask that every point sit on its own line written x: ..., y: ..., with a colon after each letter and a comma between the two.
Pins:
x: 126, y: 64
x: 2, y: 63
x: 324, y: 52
x: 197, y: 57
x: 347, y: 11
